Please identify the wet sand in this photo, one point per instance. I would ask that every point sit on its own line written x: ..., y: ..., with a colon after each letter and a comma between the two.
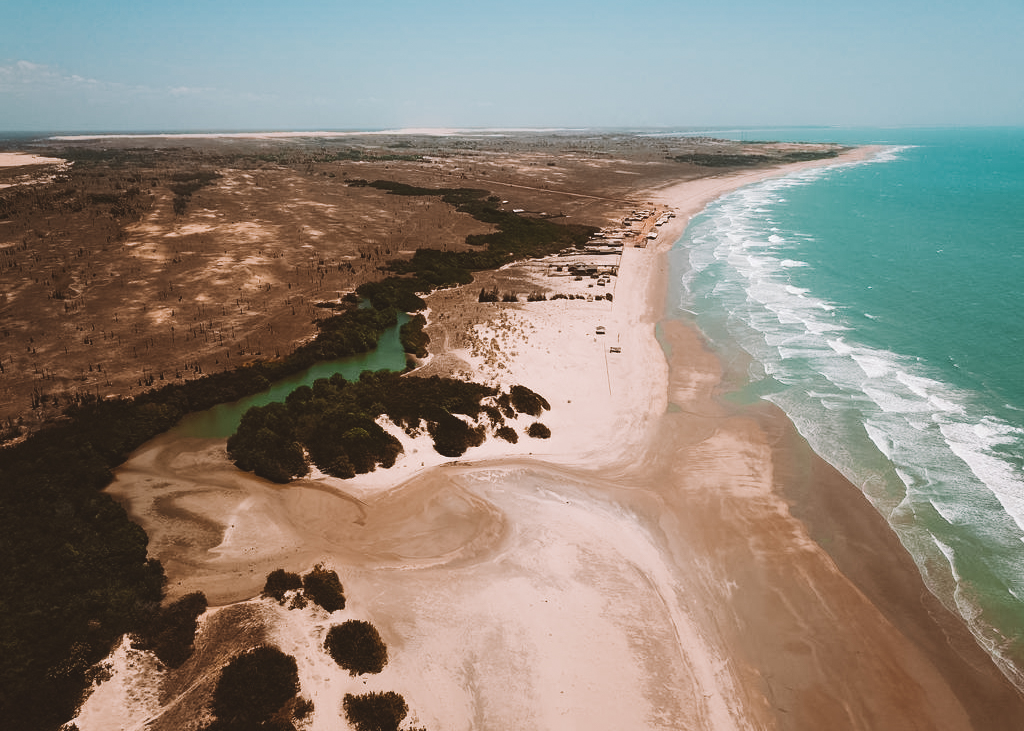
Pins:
x: 662, y: 562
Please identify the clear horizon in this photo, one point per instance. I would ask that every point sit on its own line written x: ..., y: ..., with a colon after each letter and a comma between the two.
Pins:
x: 314, y: 65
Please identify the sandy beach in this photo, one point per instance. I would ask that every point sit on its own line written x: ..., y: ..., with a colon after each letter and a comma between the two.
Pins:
x: 661, y: 562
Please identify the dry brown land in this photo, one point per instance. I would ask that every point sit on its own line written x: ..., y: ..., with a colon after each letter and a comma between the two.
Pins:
x: 101, y: 301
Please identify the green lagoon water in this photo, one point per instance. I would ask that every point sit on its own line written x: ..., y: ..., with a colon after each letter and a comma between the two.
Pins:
x: 222, y: 420
x: 881, y: 305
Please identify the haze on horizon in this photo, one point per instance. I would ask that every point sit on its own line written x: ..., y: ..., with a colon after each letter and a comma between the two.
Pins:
x: 316, y: 64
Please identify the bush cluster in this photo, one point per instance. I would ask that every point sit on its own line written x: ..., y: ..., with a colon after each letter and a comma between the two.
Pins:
x: 335, y: 422
x: 254, y: 691
x: 507, y: 433
x: 722, y: 160
x: 320, y: 586
x: 528, y: 402
x: 76, y: 575
x: 538, y: 431
x: 517, y: 237
x: 172, y: 632
x: 187, y: 183
x: 357, y: 646
x: 375, y: 711
x: 279, y: 582
x: 597, y: 297
x: 412, y: 337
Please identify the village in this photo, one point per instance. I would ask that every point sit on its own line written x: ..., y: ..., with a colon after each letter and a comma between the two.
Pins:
x: 586, y: 273
x: 587, y: 267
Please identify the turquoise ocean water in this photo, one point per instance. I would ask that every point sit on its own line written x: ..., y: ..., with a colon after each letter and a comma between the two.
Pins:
x: 881, y: 305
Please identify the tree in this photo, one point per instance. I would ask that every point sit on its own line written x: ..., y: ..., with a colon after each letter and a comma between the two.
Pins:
x: 528, y: 402
x: 280, y: 581
x: 253, y: 687
x: 323, y: 587
x: 357, y: 646
x: 265, y: 444
x: 538, y: 431
x: 173, y: 630
x: 375, y: 711
x: 412, y: 337
x: 453, y: 436
x: 507, y: 433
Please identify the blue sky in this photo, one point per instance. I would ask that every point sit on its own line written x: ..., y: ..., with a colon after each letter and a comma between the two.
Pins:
x: 309, y: 64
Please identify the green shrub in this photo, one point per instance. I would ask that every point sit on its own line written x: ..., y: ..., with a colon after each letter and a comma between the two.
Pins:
x: 412, y: 337
x: 357, y: 646
x: 538, y: 431
x: 375, y: 711
x: 504, y: 402
x: 253, y: 687
x: 528, y: 402
x: 302, y: 708
x: 507, y: 433
x: 172, y: 632
x: 265, y: 444
x: 323, y: 587
x: 280, y: 581
x: 452, y: 436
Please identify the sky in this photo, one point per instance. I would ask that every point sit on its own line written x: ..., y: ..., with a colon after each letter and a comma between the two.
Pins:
x: 221, y: 65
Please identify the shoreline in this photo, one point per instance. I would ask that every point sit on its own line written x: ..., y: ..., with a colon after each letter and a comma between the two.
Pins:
x: 862, y: 549
x: 727, y: 588
x: 854, y: 540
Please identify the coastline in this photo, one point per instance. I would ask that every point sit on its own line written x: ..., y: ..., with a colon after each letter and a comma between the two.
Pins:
x: 735, y: 580
x: 889, y: 653
x: 893, y: 656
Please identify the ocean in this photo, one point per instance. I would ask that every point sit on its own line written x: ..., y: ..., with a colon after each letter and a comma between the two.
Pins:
x: 880, y: 304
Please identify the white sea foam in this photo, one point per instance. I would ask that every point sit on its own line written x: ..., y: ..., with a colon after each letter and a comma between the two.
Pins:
x: 894, y: 403
x: 974, y: 444
x: 923, y: 387
x: 950, y: 555
x: 880, y: 438
x: 874, y: 365
x: 945, y: 405
x: 840, y: 346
